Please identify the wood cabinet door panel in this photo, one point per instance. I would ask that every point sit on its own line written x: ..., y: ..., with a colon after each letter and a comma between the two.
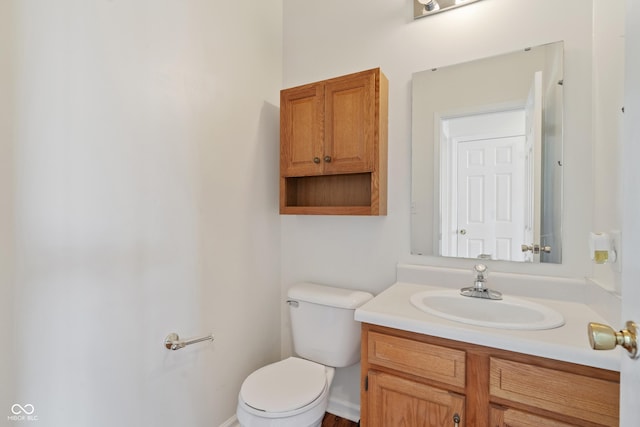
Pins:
x: 350, y: 124
x: 301, y: 130
x: 398, y: 402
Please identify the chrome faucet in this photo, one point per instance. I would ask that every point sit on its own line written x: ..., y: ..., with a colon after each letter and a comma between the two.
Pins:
x: 479, y: 290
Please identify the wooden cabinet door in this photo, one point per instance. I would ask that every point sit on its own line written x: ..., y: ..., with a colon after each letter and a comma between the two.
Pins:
x: 395, y: 401
x: 350, y: 124
x: 508, y: 417
x: 301, y: 130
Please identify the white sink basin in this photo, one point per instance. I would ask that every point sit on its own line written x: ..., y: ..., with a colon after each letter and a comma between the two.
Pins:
x: 507, y: 313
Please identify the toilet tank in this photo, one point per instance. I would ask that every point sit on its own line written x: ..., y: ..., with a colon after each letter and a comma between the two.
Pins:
x: 322, y: 323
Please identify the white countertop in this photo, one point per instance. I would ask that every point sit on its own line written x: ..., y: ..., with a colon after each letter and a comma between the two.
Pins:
x: 569, y: 342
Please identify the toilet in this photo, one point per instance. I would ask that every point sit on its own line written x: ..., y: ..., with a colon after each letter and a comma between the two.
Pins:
x: 295, y: 392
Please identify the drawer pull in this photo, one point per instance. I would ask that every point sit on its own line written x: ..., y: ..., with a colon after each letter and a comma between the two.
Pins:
x: 456, y: 420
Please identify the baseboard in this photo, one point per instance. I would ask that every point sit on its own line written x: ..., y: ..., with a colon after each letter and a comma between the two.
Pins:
x: 231, y: 422
x: 344, y: 409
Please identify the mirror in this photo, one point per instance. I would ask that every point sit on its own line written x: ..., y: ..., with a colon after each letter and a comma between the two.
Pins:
x: 487, y: 158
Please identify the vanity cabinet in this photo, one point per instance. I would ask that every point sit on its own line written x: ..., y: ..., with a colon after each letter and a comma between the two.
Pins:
x: 333, y: 146
x: 411, y: 379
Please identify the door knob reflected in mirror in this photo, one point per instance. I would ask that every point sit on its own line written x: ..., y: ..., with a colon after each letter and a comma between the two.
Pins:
x: 604, y: 337
x: 535, y: 248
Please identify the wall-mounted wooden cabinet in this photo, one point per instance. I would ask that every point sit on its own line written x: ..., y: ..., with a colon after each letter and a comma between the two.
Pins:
x: 333, y: 146
x: 411, y: 379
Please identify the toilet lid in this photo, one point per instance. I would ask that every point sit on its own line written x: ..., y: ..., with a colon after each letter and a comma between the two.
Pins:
x: 284, y: 386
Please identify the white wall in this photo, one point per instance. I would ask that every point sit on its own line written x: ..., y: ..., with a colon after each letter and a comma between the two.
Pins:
x: 608, y: 99
x: 341, y: 37
x: 6, y: 203
x: 145, y: 181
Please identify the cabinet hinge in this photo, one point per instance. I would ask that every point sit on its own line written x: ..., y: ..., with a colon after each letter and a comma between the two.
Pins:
x: 366, y: 383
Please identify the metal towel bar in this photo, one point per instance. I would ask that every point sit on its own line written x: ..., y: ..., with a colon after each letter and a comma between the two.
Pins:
x: 173, y: 341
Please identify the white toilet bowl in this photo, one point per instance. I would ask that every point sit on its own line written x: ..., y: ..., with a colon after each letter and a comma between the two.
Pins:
x: 295, y: 392
x: 291, y: 393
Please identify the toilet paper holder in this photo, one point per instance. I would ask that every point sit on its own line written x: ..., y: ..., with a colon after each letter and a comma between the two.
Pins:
x: 173, y: 341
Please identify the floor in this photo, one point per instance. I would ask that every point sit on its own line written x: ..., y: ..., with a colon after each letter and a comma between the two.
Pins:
x: 331, y: 420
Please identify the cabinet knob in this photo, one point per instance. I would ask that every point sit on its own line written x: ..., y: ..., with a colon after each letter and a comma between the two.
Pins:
x: 604, y: 337
x: 327, y: 159
x: 456, y: 420
x: 316, y: 160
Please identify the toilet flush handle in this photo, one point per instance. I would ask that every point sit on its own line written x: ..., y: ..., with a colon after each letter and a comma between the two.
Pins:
x: 293, y: 303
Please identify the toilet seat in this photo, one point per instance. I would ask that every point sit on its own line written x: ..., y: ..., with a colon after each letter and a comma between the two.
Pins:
x: 284, y: 386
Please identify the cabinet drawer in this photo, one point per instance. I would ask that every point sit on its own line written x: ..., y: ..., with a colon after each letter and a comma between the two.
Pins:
x: 508, y: 417
x: 429, y: 361
x: 575, y: 395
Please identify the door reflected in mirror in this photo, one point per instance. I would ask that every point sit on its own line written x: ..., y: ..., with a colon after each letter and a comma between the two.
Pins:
x: 487, y: 158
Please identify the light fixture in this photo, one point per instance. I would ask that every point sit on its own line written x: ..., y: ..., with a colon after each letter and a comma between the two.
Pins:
x: 430, y: 5
x: 423, y: 8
